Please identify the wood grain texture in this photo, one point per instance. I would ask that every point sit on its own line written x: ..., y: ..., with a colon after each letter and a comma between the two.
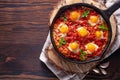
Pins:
x: 24, y: 21
x: 23, y: 30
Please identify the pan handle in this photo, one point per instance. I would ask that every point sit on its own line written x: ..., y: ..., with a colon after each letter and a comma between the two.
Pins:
x: 112, y: 9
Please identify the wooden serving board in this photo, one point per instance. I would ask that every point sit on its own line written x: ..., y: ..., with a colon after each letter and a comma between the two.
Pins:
x: 62, y: 64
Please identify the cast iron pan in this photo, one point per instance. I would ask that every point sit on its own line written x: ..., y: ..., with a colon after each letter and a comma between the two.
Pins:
x: 104, y: 13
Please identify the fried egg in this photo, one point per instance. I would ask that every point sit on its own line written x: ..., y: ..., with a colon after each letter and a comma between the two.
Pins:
x: 63, y: 29
x: 91, y: 47
x: 74, y: 15
x: 93, y: 20
x: 74, y: 47
x: 82, y: 31
x: 99, y: 34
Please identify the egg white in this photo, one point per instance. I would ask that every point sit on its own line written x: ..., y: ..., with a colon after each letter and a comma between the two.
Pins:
x: 96, y: 47
x: 101, y: 37
x: 74, y: 51
x: 79, y: 28
x: 58, y: 30
x: 62, y: 35
x: 77, y: 18
x: 93, y: 24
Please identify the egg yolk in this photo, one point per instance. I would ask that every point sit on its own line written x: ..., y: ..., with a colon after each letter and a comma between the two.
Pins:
x: 94, y: 19
x: 91, y: 47
x: 63, y: 28
x: 74, y: 15
x: 98, y: 34
x: 82, y: 32
x: 74, y: 46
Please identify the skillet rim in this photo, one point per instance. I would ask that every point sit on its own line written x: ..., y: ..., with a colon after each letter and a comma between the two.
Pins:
x: 99, y: 11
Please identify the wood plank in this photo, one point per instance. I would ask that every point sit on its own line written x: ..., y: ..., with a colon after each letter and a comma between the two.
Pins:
x: 23, y: 30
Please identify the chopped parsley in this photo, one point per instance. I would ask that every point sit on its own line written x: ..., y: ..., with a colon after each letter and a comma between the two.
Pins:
x: 62, y: 41
x: 102, y: 27
x: 64, y: 18
x: 85, y: 13
x: 82, y: 55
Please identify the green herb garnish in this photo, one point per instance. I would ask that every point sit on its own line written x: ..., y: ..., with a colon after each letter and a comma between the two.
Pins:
x: 64, y: 18
x: 62, y: 41
x: 85, y: 13
x: 82, y: 55
x: 102, y: 27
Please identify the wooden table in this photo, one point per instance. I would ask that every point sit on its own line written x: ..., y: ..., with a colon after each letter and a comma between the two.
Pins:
x: 23, y: 31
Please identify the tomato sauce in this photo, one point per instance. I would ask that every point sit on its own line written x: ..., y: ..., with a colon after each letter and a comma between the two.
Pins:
x: 80, y: 33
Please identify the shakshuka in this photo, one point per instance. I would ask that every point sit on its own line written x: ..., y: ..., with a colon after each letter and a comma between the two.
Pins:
x: 80, y: 33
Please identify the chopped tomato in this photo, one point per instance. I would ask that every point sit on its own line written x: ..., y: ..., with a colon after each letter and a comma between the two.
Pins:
x: 81, y: 29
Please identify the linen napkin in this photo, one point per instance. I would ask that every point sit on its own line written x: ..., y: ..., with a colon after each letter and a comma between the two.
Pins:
x: 64, y: 75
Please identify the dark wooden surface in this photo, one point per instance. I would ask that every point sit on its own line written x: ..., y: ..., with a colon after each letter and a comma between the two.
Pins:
x: 23, y: 30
